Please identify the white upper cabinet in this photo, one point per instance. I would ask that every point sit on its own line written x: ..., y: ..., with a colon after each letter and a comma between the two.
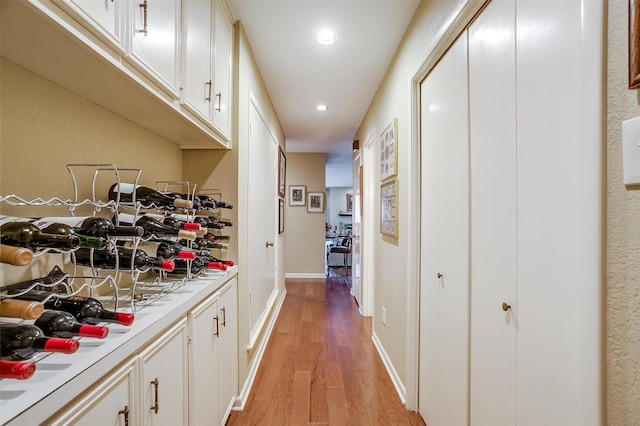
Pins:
x: 154, y: 31
x: 223, y: 70
x: 103, y: 18
x: 166, y: 65
x: 207, y: 63
x: 197, y: 90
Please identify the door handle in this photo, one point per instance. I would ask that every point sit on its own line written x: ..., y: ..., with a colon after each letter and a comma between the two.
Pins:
x: 268, y: 244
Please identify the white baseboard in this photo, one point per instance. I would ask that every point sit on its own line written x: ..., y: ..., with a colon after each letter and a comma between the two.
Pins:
x: 305, y: 275
x: 253, y: 370
x: 397, y: 382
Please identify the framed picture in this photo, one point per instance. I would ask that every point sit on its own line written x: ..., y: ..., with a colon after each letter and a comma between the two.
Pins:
x: 389, y: 208
x: 389, y: 150
x: 282, y: 173
x: 297, y: 195
x: 634, y: 44
x: 349, y: 203
x: 281, y: 217
x: 315, y: 202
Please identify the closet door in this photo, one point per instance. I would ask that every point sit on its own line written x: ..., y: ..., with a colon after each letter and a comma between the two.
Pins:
x: 492, y: 116
x: 551, y: 149
x: 444, y: 319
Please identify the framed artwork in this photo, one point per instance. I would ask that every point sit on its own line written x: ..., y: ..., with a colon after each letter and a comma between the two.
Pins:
x: 297, y: 195
x: 282, y: 172
x: 389, y: 151
x: 634, y: 44
x: 389, y: 208
x: 281, y: 217
x: 349, y: 203
x: 315, y: 202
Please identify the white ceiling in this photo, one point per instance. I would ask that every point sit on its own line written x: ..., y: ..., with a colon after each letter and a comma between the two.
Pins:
x: 300, y: 73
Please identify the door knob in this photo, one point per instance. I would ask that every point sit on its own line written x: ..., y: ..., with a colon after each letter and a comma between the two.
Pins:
x: 439, y: 275
x: 505, y: 306
x: 268, y: 244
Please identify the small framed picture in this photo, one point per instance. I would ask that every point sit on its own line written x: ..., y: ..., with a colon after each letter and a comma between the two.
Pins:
x: 281, y: 217
x: 315, y: 202
x: 297, y: 195
x: 349, y: 203
x: 389, y: 151
x: 389, y: 208
x: 282, y: 173
x: 634, y: 44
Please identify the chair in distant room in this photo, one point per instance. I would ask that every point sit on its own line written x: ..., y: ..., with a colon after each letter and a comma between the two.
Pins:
x: 341, y: 247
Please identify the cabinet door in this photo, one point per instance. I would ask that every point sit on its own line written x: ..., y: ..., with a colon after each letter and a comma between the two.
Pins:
x: 104, y: 18
x: 203, y: 368
x: 164, y: 379
x: 223, y: 71
x: 227, y: 349
x: 154, y: 39
x: 493, y: 215
x: 111, y: 403
x: 444, y: 318
x: 197, y: 91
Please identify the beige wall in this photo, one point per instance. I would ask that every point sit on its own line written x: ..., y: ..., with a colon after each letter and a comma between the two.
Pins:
x: 304, y: 232
x: 390, y: 277
x: 45, y: 127
x: 623, y: 236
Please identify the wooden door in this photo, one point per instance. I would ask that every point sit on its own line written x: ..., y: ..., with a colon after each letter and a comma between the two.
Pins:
x: 492, y: 115
x: 444, y: 281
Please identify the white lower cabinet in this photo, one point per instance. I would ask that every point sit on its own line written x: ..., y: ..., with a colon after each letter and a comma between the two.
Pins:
x: 185, y: 375
x: 111, y: 403
x: 163, y: 379
x: 212, y: 357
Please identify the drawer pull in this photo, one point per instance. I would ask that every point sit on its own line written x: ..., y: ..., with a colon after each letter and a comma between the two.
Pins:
x: 219, y: 98
x: 144, y: 6
x: 209, y: 83
x: 224, y: 317
x: 155, y: 406
x: 217, y: 320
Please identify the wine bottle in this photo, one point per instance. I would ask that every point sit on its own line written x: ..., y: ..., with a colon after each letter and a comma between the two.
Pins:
x: 14, y: 308
x: 211, y: 203
x: 17, y: 256
x: 223, y: 261
x: 164, y: 249
x: 126, y: 258
x: 63, y: 229
x: 204, y: 221
x: 91, y: 226
x: 20, y: 370
x: 203, y: 243
x: 198, y: 265
x: 62, y: 324
x: 85, y: 309
x: 154, y: 228
x: 147, y: 197
x: 22, y: 341
x: 176, y: 223
x: 25, y: 234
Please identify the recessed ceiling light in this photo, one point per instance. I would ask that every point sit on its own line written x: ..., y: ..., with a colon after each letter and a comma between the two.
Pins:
x: 322, y: 107
x: 326, y: 37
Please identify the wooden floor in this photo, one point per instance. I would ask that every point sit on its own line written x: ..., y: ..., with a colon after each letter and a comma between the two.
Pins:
x: 320, y: 366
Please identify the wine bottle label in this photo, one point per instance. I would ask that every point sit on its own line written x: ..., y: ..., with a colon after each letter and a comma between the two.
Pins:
x: 8, y: 219
x: 72, y: 221
x: 126, y: 218
x: 124, y: 188
x: 146, y: 246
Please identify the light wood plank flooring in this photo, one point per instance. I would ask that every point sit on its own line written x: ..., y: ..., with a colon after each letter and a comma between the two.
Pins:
x: 320, y: 366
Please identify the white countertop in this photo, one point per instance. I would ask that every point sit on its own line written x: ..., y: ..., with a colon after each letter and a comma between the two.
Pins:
x: 60, y: 378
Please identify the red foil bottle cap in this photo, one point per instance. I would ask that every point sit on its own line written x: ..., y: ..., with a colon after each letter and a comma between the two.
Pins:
x: 65, y: 346
x: 125, y: 319
x: 228, y: 262
x: 182, y: 254
x: 191, y: 226
x: 96, y: 331
x: 216, y: 265
x: 167, y: 265
x: 17, y: 369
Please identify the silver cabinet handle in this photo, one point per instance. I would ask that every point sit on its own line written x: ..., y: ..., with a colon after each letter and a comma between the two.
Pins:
x: 144, y: 7
x: 219, y: 98
x: 210, y: 84
x: 155, y: 406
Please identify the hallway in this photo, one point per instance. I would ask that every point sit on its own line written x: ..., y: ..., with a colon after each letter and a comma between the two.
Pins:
x: 320, y: 366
